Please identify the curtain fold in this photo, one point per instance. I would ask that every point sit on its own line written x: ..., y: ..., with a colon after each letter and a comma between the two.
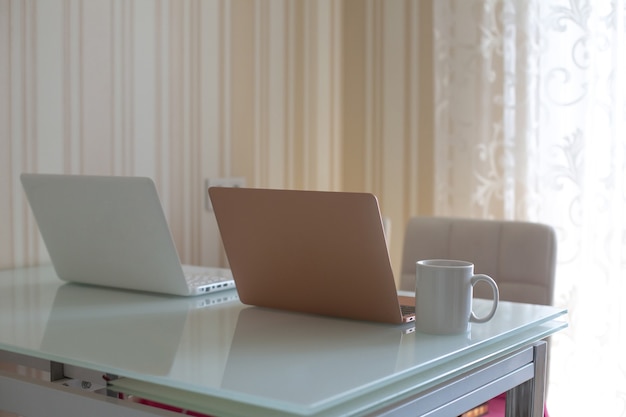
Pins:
x: 530, y: 105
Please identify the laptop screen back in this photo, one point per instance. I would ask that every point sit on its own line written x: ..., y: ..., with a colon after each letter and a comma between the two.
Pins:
x: 308, y: 251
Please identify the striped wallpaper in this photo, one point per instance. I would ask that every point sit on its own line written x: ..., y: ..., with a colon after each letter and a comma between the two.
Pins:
x: 310, y: 95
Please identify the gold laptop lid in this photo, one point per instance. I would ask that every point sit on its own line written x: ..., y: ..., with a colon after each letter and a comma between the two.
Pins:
x: 308, y: 251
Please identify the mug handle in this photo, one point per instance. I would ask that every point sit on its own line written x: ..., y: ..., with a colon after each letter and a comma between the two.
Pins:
x: 496, y: 297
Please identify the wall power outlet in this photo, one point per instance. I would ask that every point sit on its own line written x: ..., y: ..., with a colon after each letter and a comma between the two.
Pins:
x: 234, y: 182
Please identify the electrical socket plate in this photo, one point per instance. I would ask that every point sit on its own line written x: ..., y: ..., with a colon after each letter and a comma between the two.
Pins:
x: 234, y: 182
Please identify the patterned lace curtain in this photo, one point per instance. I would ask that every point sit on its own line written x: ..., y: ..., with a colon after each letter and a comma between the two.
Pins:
x: 530, y: 100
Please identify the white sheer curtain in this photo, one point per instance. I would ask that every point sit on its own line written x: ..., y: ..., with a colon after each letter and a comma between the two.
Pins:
x: 530, y: 100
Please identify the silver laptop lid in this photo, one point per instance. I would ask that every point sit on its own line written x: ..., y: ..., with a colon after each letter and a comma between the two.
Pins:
x: 106, y: 231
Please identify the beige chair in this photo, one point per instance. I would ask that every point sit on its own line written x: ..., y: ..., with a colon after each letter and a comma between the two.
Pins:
x: 520, y: 256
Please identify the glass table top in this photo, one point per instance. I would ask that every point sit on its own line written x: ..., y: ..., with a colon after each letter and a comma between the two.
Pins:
x: 216, y: 346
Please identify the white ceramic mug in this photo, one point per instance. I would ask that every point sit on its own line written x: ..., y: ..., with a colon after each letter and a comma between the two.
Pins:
x: 443, y: 296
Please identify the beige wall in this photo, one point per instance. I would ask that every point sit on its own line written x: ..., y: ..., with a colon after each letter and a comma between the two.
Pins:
x: 313, y: 95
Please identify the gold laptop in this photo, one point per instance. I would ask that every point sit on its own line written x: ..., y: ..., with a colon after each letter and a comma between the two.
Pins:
x: 309, y: 251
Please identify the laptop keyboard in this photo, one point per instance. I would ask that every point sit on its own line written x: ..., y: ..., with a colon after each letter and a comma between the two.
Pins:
x: 200, y: 279
x: 207, y: 279
x: 407, y: 309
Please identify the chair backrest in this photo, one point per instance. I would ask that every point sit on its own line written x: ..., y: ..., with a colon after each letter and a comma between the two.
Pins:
x: 520, y: 256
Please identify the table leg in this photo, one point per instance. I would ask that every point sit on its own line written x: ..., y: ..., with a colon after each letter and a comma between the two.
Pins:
x: 528, y: 399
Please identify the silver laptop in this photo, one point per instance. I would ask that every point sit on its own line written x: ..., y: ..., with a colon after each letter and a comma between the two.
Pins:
x: 112, y: 231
